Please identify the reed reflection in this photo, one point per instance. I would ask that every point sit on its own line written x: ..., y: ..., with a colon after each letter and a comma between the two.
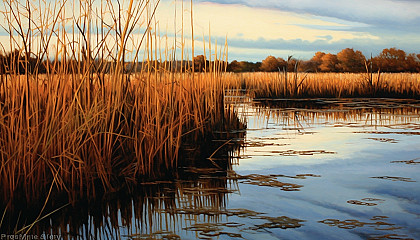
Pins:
x: 392, y: 113
x: 159, y: 207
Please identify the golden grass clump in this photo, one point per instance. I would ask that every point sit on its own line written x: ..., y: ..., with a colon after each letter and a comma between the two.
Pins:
x: 90, y: 119
x: 326, y: 85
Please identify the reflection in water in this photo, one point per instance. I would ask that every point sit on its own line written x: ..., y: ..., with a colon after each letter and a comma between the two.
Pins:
x: 362, y: 195
x: 394, y: 114
x: 155, y: 209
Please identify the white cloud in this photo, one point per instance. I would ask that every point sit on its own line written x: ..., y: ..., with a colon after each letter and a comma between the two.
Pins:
x: 240, y: 21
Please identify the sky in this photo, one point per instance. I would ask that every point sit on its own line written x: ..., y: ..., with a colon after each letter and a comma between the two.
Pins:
x: 257, y: 28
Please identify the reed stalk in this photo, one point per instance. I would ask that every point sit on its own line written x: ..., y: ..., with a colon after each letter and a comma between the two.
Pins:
x: 93, y: 119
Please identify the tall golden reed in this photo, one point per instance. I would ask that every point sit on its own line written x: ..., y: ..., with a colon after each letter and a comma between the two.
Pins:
x: 89, y: 120
x: 326, y: 85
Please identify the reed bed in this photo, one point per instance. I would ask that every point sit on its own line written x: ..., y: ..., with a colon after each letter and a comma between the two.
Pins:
x: 91, y: 120
x: 326, y: 85
x: 76, y: 135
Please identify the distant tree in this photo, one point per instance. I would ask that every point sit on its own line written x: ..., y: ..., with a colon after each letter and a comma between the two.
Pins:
x: 391, y: 60
x: 350, y: 60
x: 307, y: 66
x: 243, y: 66
x: 199, y: 63
x: 329, y: 63
x: 282, y: 63
x: 316, y: 61
x: 347, y: 60
x: 270, y: 64
x: 234, y: 66
x: 412, y: 63
x: 291, y: 65
x: 256, y: 66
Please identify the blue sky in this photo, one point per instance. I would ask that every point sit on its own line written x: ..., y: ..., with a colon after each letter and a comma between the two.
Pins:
x: 258, y: 28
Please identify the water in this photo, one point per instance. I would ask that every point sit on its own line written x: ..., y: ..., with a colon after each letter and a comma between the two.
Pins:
x: 307, y: 169
x: 362, y: 158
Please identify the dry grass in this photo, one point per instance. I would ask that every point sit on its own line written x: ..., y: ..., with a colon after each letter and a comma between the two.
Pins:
x: 96, y: 126
x: 82, y: 134
x: 337, y: 85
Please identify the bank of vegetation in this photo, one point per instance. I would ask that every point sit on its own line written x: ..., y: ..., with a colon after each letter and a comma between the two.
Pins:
x: 78, y: 118
x: 271, y: 85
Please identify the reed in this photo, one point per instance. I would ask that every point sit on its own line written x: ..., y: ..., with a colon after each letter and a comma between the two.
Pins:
x: 91, y: 120
x: 326, y: 85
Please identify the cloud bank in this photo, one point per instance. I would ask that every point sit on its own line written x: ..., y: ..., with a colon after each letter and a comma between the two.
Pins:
x: 307, y: 26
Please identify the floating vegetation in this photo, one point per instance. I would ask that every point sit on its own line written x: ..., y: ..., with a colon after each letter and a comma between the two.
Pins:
x: 384, y: 140
x: 307, y: 152
x: 214, y: 229
x: 410, y: 162
x: 164, y: 235
x: 402, y: 179
x: 390, y: 236
x: 271, y: 180
x: 366, y: 201
x: 378, y: 225
x: 383, y: 132
x: 282, y: 222
x: 357, y: 202
x: 352, y: 223
x: 218, y: 229
x: 262, y: 144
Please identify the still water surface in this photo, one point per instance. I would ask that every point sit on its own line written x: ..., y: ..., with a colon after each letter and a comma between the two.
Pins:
x: 316, y: 169
x: 307, y: 169
x: 359, y: 161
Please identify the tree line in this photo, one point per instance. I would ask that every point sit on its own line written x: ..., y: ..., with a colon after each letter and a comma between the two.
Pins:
x: 17, y: 62
x: 347, y: 60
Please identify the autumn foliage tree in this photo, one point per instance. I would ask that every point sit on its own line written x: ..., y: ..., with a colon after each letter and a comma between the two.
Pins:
x: 270, y: 64
x: 243, y: 66
x: 329, y: 63
x: 391, y: 60
x: 347, y: 60
x: 412, y: 62
x: 351, y: 61
x: 316, y: 61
